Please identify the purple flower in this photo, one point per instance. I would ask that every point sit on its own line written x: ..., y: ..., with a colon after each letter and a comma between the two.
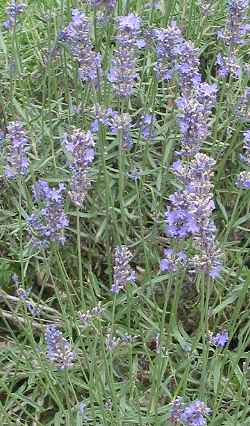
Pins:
x: 235, y: 28
x: 147, y: 127
x: 243, y: 180
x: 91, y: 314
x: 123, y: 74
x: 47, y: 224
x: 220, y: 339
x: 13, y: 10
x: 17, y: 163
x: 192, y: 414
x: 122, y: 272
x: 80, y: 147
x: 189, y: 214
x: 59, y: 349
x: 193, y: 117
x: 176, y: 57
x: 246, y: 156
x: 115, y: 122
x: 228, y: 65
x: 173, y: 260
x: 121, y: 124
x: 77, y: 36
x: 176, y: 410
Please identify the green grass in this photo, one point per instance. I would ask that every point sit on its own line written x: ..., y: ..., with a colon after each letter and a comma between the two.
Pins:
x: 134, y: 384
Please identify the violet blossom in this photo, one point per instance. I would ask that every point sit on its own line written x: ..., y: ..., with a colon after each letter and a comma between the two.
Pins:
x: 77, y: 37
x: 13, y: 10
x: 189, y: 214
x: 80, y: 148
x: 123, y: 73
x: 59, y: 350
x: 192, y: 414
x: 220, y: 339
x: 17, y: 163
x: 122, y: 271
x: 47, y: 223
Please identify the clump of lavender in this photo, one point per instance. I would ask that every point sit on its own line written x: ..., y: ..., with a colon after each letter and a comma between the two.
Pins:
x: 91, y: 314
x: 59, y: 350
x: 243, y: 106
x: 173, y: 260
x: 17, y: 163
x: 176, y: 57
x: 48, y: 223
x: 77, y: 36
x: 122, y: 272
x: 80, y: 147
x: 193, y: 117
x: 232, y: 35
x: 193, y: 414
x: 123, y: 73
x: 13, y: 10
x: 190, y: 210
x: 219, y: 340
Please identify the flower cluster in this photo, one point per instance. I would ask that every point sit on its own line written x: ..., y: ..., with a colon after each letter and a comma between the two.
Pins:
x: 13, y: 10
x: 233, y: 34
x: 59, y: 350
x: 47, y: 224
x: 190, y: 210
x: 194, y: 117
x: 123, y: 273
x: 17, y: 163
x: 118, y: 124
x: 219, y: 340
x: 147, y: 127
x: 80, y: 147
x: 193, y: 414
x: 123, y: 72
x: 77, y: 36
x: 176, y: 57
x: 87, y: 317
x: 173, y: 260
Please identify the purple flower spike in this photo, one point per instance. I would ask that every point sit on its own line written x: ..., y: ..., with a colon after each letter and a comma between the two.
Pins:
x: 80, y: 147
x: 17, y: 163
x: 123, y: 273
x: 47, y: 224
x: 59, y: 350
x: 173, y: 260
x: 123, y: 74
x: 77, y: 37
x: 13, y: 10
